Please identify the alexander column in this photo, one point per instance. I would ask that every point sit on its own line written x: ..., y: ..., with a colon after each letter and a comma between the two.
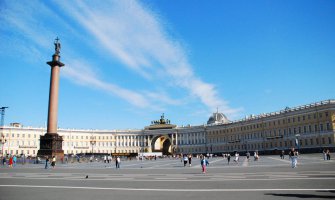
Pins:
x: 51, y: 142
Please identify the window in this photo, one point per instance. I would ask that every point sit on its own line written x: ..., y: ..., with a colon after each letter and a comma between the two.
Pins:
x: 329, y: 140
x: 328, y: 126
x: 321, y: 127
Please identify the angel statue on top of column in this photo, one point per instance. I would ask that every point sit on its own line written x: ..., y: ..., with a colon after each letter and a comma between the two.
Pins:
x: 57, y: 46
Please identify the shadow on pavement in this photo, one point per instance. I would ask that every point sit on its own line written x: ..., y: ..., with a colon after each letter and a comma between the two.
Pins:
x: 305, y: 196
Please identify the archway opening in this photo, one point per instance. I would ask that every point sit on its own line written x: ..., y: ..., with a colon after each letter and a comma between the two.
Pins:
x: 161, y: 144
x: 166, y: 147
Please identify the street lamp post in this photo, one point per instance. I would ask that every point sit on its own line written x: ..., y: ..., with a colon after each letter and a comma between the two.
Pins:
x: 3, y: 141
x: 93, y: 141
x: 297, y: 141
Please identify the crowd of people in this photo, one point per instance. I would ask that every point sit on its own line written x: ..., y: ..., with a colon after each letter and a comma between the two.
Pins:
x: 186, y: 159
x: 12, y: 160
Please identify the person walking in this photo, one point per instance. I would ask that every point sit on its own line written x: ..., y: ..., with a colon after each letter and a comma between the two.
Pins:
x: 190, y: 160
x: 4, y: 160
x: 10, y: 164
x: 294, y: 157
x: 185, y: 160
x: 228, y: 158
x: 53, y: 162
x: 328, y: 154
x: 46, y: 162
x: 256, y: 156
x: 237, y: 157
x: 282, y: 154
x: 248, y: 156
x: 203, y: 163
x: 324, y: 152
x: 14, y: 161
x: 117, y: 162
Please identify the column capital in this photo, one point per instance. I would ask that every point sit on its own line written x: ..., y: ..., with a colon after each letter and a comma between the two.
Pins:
x: 55, y: 61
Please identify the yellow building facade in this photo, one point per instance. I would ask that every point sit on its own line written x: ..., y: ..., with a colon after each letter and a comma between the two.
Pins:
x: 310, y: 128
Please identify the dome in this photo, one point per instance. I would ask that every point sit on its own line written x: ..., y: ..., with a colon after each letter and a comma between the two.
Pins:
x: 217, y: 118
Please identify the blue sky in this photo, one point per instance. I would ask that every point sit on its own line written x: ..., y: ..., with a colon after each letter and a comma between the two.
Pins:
x: 127, y: 62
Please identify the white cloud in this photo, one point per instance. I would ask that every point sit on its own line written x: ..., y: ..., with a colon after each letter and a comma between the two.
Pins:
x: 127, y: 31
x: 134, y: 35
x: 82, y: 74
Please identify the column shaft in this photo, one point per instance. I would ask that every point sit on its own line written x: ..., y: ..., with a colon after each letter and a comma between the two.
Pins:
x: 53, y: 100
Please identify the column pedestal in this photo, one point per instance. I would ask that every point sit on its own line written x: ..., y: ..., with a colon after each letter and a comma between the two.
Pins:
x: 51, y: 145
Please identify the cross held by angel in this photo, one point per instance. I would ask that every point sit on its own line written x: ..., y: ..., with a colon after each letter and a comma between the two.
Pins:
x: 57, y: 46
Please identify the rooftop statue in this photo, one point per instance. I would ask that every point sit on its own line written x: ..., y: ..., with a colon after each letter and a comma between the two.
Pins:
x: 162, y: 120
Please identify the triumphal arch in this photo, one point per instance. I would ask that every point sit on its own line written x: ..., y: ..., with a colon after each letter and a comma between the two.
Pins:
x: 161, y: 136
